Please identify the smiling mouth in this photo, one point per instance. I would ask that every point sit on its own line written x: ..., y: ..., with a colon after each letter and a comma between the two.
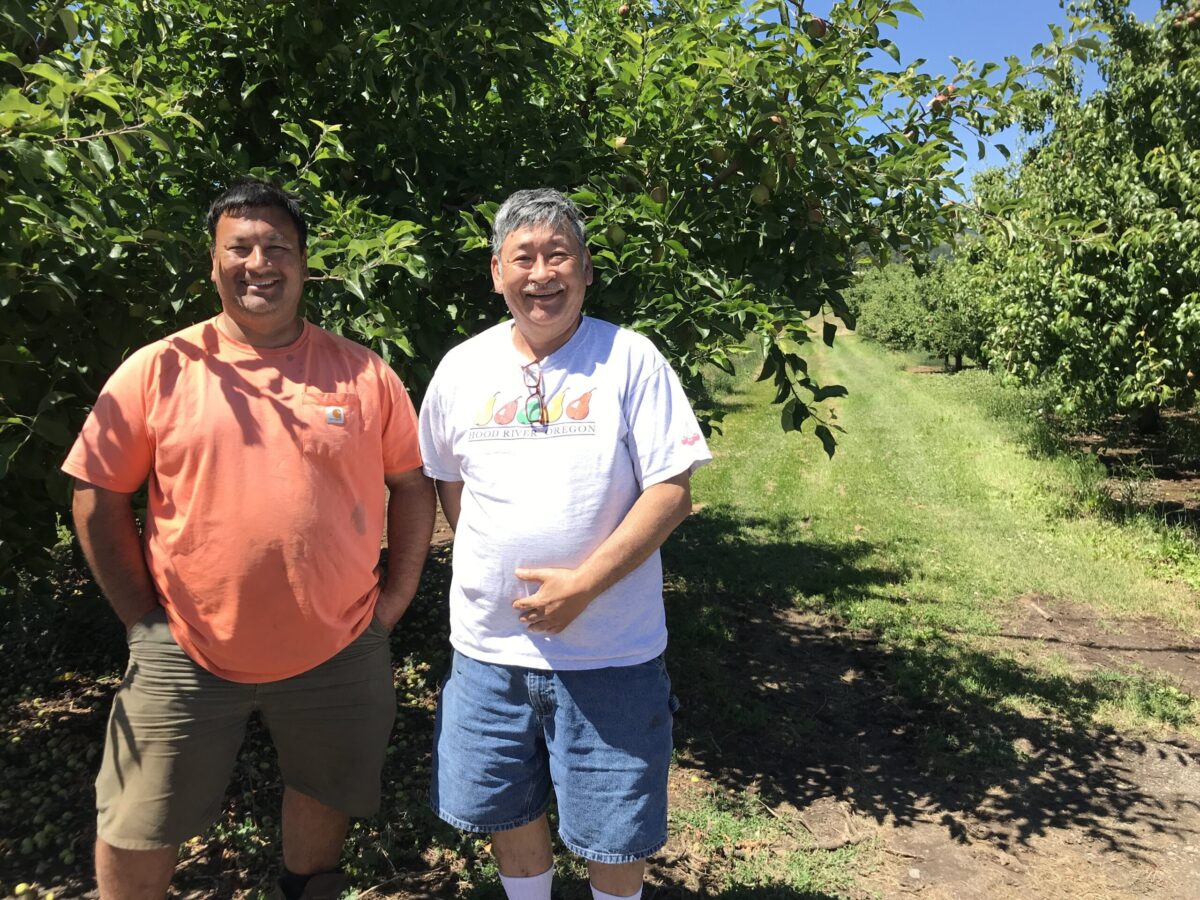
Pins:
x: 543, y: 294
x: 262, y: 285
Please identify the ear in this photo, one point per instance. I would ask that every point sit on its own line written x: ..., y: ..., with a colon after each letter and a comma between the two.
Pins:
x: 587, y: 266
x: 213, y: 274
x: 497, y: 283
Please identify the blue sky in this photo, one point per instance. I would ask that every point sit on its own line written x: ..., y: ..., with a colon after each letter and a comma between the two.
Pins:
x: 982, y: 30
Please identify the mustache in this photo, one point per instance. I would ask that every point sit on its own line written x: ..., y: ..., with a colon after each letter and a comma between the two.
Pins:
x: 547, y: 288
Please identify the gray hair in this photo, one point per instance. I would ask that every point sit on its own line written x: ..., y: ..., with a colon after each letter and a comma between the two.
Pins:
x: 540, y: 207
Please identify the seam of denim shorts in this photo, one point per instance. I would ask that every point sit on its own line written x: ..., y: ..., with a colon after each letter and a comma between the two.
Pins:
x: 503, y: 826
x: 610, y: 858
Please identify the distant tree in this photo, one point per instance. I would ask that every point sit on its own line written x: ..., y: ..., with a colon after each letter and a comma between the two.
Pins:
x: 1090, y: 247
x: 958, y: 318
x: 887, y: 303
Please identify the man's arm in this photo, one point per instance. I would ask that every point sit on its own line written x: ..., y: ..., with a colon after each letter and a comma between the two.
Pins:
x: 112, y: 545
x: 565, y: 593
x: 409, y: 527
x: 450, y: 495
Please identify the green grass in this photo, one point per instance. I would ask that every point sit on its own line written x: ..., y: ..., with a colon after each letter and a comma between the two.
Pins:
x: 896, y: 566
x: 939, y: 510
x: 933, y: 490
x: 749, y: 848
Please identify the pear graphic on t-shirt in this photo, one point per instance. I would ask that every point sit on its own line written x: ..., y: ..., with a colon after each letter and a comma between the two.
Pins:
x: 506, y: 413
x: 499, y: 418
x: 529, y: 413
x: 485, y: 414
x: 578, y: 409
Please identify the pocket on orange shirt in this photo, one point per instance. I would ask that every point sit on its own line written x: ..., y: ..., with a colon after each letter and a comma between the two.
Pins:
x: 333, y: 422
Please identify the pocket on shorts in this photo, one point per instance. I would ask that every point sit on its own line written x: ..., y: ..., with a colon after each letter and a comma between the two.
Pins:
x: 673, y: 703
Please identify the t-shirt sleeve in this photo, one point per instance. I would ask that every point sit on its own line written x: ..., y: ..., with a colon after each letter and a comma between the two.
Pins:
x: 664, y: 436
x: 401, y: 450
x: 115, y: 450
x: 437, y: 441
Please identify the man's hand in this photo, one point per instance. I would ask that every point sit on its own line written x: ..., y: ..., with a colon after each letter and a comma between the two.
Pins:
x: 557, y: 603
x: 391, y: 606
x: 565, y: 593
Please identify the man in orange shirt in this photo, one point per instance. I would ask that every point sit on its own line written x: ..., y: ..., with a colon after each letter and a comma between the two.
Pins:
x: 265, y: 443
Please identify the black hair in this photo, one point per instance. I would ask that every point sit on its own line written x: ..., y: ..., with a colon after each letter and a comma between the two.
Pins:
x: 253, y: 193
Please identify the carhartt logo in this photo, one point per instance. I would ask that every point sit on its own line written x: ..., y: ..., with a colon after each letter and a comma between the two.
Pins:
x: 335, y: 415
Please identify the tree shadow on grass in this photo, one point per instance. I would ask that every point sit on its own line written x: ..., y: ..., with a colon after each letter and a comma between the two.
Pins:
x: 796, y: 709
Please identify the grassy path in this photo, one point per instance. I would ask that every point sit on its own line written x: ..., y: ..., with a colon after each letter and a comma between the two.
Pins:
x: 950, y: 515
x: 872, y: 707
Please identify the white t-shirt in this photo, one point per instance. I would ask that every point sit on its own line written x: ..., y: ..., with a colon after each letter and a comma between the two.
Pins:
x: 537, y: 496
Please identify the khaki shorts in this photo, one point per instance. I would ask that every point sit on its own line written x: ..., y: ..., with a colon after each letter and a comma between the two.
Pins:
x: 175, y: 730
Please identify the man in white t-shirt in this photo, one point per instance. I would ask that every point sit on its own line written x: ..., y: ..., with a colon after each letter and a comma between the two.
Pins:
x: 562, y: 448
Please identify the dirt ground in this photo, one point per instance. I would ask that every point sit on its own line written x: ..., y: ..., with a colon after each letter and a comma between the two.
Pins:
x: 1066, y: 813
x: 949, y: 795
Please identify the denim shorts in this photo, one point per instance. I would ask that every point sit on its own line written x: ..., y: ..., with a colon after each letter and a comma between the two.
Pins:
x: 600, y: 737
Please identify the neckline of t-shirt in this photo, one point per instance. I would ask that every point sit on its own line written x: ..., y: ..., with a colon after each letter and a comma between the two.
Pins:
x: 584, y: 325
x: 250, y: 350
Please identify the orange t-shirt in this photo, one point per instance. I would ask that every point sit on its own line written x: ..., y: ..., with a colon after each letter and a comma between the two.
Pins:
x: 266, y: 492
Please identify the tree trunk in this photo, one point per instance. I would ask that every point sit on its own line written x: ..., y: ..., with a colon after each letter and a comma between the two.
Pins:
x: 958, y: 362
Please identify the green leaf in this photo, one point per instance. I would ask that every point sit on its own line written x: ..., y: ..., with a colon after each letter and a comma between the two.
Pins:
x: 828, y: 332
x: 70, y: 24
x: 123, y: 147
x: 15, y: 353
x: 52, y: 399
x: 55, y: 161
x: 52, y: 426
x: 768, y: 368
x: 789, y: 346
x: 296, y: 133
x: 105, y: 98
x: 827, y: 440
x: 787, y: 415
x: 906, y: 6
x: 101, y: 155
x: 46, y: 71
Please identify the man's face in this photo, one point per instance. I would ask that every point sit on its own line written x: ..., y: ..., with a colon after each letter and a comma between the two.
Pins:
x: 259, y: 268
x: 543, y: 274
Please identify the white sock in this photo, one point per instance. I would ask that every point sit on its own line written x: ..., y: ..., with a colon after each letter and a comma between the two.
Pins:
x: 598, y: 894
x: 534, y: 887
